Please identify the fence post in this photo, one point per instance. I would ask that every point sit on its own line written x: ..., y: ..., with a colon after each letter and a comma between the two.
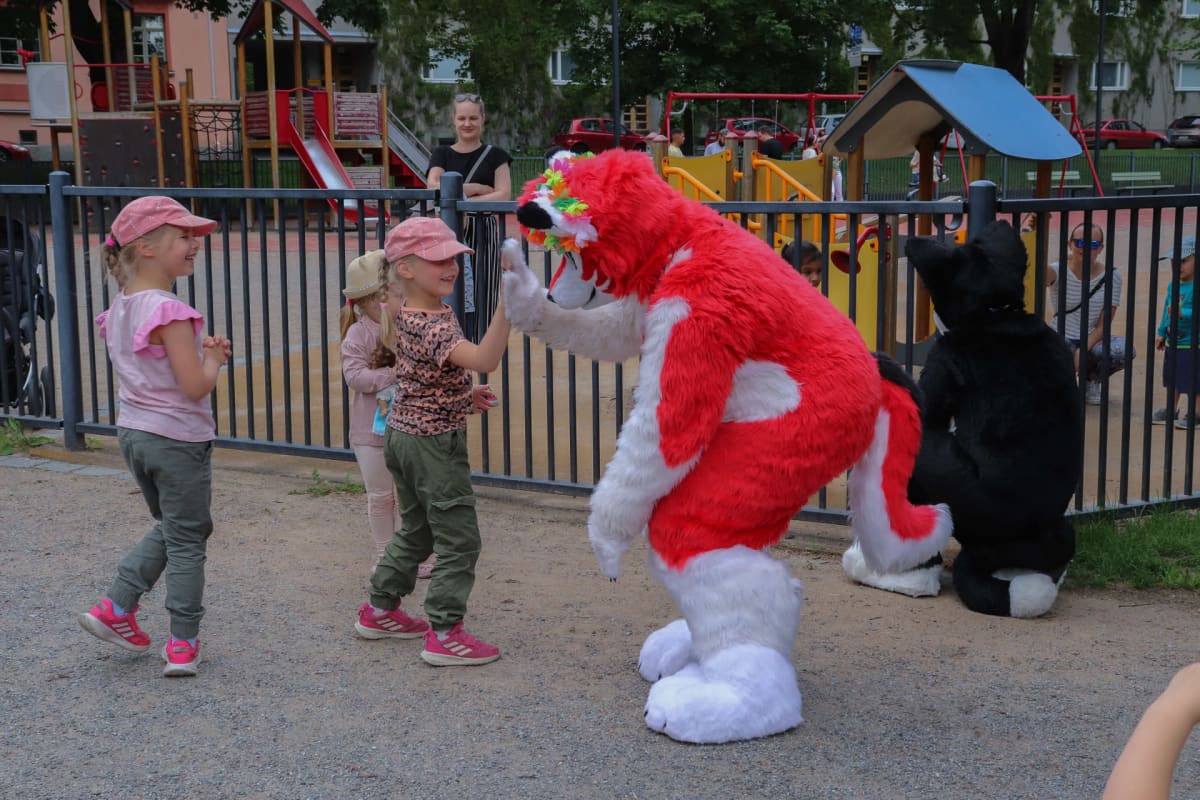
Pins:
x: 981, y: 206
x: 450, y: 191
x: 68, y: 307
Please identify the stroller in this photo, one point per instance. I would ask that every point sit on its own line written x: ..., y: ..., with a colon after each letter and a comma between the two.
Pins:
x: 24, y: 297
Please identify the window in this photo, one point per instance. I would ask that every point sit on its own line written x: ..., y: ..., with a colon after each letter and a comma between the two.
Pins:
x: 9, y: 47
x: 149, y: 38
x: 1115, y: 74
x: 445, y: 70
x: 561, y: 67
x: 1187, y: 77
x: 1191, y: 8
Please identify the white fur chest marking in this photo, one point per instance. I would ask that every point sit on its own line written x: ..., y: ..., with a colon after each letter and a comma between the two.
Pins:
x: 761, y: 390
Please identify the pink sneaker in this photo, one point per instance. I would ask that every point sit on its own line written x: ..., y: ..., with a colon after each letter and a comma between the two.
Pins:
x: 122, y: 631
x: 182, y: 659
x: 459, y: 648
x: 388, y: 624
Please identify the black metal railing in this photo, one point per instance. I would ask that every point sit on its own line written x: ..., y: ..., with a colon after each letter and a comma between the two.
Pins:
x: 270, y: 278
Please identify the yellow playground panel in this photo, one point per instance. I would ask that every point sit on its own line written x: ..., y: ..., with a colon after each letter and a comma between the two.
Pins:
x: 704, y: 178
x: 866, y: 285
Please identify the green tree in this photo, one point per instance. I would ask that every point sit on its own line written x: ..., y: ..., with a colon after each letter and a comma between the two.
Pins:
x: 717, y: 45
x: 504, y: 48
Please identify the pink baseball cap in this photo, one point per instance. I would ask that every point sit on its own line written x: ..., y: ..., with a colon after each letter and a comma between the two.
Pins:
x: 146, y: 214
x: 425, y: 237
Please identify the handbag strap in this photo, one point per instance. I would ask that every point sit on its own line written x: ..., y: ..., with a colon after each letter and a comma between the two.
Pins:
x: 487, y: 149
x: 1090, y: 294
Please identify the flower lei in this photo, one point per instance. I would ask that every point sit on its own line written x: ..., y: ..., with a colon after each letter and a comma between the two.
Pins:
x: 555, y: 186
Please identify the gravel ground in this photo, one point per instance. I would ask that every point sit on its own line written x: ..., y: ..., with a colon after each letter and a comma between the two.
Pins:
x: 902, y: 698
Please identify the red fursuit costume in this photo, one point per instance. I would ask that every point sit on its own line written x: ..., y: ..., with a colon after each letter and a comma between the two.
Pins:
x: 753, y: 392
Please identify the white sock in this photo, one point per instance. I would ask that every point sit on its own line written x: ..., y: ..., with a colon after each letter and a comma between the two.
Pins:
x: 117, y: 610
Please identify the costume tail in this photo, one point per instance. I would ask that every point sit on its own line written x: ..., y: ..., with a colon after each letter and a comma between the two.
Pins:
x: 894, y: 534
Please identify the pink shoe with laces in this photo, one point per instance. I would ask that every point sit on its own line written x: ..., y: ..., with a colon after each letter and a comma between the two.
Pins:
x: 459, y: 648
x: 123, y: 630
x: 393, y: 624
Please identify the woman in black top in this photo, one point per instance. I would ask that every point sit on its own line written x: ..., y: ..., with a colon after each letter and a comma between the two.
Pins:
x: 486, y: 176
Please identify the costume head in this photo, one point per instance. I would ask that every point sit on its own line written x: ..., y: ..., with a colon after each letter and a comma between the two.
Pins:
x: 578, y: 206
x: 987, y: 273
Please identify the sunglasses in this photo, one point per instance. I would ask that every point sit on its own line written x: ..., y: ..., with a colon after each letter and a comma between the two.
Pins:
x: 1096, y: 244
x: 467, y: 98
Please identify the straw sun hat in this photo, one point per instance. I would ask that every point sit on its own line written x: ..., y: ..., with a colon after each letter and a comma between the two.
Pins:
x: 362, y: 275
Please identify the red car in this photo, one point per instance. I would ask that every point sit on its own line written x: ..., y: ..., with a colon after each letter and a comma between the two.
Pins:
x: 1116, y: 133
x: 738, y: 127
x: 13, y: 152
x: 594, y: 135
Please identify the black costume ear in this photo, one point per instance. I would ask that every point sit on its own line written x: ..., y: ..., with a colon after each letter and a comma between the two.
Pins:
x: 534, y: 217
x: 929, y: 258
x: 1002, y: 248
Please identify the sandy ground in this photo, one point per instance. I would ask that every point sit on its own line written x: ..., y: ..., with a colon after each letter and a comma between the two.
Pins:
x: 903, y: 698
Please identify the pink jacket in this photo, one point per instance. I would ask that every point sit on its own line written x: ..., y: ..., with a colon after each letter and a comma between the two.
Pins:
x: 360, y: 342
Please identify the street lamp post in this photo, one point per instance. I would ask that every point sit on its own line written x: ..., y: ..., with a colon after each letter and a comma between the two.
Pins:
x: 1099, y: 79
x: 616, y: 70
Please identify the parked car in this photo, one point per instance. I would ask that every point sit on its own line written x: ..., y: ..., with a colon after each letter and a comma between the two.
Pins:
x: 593, y: 135
x: 13, y: 152
x: 738, y: 127
x: 1116, y: 133
x: 824, y: 124
x: 1184, y: 132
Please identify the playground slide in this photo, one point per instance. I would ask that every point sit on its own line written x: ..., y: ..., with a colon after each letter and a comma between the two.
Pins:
x: 323, y: 164
x: 405, y: 146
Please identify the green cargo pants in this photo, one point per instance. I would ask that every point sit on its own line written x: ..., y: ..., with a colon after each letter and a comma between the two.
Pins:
x: 176, y: 479
x: 437, y: 506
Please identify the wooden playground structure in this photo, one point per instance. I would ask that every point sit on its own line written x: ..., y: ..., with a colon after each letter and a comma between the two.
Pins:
x: 863, y: 256
x: 143, y: 130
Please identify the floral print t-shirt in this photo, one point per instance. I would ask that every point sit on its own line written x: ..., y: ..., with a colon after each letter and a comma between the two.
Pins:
x: 432, y: 395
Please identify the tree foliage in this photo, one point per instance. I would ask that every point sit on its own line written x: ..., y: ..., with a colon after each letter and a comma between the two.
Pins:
x: 717, y: 45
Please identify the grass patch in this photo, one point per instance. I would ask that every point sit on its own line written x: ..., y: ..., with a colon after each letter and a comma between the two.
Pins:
x: 322, y: 486
x: 13, y: 437
x: 1160, y: 550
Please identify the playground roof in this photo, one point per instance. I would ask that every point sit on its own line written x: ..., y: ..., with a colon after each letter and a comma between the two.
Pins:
x: 254, y: 18
x: 986, y: 105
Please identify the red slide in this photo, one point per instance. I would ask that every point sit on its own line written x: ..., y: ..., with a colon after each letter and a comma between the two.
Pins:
x: 327, y: 171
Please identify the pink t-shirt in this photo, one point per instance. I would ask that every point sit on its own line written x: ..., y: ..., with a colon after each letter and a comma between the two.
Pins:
x: 149, y: 396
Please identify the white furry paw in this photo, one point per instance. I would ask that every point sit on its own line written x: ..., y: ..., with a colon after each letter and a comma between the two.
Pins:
x: 743, y: 692
x: 1031, y: 594
x: 666, y: 651
x: 524, y: 297
x: 919, y: 582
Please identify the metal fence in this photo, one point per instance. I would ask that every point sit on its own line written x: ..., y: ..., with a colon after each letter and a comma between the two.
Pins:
x: 270, y: 277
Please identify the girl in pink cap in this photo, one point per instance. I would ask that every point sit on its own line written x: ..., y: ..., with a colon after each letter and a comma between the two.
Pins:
x: 369, y: 367
x: 166, y: 369
x: 425, y: 448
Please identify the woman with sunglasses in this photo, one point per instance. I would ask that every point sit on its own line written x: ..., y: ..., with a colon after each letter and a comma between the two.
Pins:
x: 1085, y: 287
x: 486, y: 176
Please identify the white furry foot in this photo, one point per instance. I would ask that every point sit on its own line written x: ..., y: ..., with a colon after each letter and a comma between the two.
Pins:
x: 919, y: 582
x: 1030, y: 594
x: 743, y: 692
x: 666, y: 651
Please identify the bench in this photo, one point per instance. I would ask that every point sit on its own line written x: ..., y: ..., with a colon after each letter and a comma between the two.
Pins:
x: 1069, y: 180
x: 1145, y: 182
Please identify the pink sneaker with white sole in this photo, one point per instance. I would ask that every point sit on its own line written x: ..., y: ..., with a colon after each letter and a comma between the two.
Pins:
x: 458, y: 649
x: 123, y: 630
x: 182, y: 658
x: 394, y: 624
